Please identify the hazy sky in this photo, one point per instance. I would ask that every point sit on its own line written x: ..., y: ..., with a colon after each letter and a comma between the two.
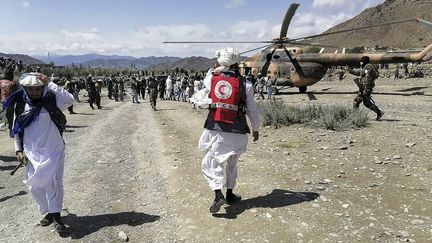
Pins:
x: 138, y: 27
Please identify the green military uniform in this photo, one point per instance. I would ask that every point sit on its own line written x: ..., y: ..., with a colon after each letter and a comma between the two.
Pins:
x: 366, y: 83
x: 153, y: 90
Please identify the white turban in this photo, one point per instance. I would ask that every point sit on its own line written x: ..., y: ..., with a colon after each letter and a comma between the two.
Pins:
x: 31, y: 79
x: 227, y: 56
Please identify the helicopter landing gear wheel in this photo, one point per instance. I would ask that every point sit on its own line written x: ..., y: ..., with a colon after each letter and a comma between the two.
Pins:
x: 302, y: 89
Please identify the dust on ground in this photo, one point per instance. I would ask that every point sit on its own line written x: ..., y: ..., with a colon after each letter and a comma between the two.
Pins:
x: 134, y: 170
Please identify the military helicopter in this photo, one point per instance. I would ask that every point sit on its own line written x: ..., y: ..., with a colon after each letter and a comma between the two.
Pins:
x: 283, y: 60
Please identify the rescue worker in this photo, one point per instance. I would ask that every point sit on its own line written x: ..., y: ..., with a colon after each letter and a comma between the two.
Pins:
x: 153, y: 91
x: 368, y: 73
x: 37, y: 132
x: 225, y: 138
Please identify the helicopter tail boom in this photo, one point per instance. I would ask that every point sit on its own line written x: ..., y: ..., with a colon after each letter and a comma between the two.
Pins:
x: 332, y: 59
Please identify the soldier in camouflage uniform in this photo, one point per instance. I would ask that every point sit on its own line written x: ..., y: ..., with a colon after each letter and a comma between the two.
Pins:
x: 153, y: 91
x: 368, y: 73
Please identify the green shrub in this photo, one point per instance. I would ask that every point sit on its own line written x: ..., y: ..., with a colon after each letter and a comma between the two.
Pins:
x: 277, y: 113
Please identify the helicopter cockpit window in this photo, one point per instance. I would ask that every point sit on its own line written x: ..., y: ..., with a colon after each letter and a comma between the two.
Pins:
x: 280, y: 56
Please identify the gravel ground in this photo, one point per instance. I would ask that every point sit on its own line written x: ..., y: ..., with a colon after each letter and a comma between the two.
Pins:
x: 130, y: 169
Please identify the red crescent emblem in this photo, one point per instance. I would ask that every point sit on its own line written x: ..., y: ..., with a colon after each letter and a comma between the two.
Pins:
x: 221, y: 90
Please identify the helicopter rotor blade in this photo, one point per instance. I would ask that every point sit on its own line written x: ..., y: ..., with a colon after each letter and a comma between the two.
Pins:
x: 241, y: 53
x: 287, y: 20
x: 294, y: 62
x: 353, y: 29
x: 214, y: 42
x: 298, y: 43
x: 268, y: 61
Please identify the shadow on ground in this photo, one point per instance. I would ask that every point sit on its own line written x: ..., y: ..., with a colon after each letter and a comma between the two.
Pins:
x: 7, y: 167
x: 81, y: 226
x: 20, y: 193
x: 74, y: 126
x: 7, y: 158
x: 278, y: 198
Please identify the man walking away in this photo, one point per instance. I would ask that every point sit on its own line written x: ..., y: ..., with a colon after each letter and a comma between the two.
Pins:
x: 153, y: 91
x: 224, y: 138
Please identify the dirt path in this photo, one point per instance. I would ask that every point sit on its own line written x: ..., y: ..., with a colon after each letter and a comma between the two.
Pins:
x: 114, y: 180
x: 134, y: 170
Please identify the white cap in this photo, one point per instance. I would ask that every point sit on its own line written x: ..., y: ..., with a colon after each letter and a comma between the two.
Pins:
x: 227, y: 56
x: 31, y: 79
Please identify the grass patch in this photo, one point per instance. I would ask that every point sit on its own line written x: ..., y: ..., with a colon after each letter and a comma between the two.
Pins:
x: 332, y: 117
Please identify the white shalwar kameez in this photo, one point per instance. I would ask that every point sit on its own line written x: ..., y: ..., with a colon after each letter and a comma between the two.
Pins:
x: 44, y: 148
x: 226, y: 147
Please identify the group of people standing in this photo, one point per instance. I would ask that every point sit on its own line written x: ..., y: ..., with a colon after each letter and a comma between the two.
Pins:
x: 38, y: 125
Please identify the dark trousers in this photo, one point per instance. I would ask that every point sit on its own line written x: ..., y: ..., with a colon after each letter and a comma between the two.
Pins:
x: 365, y: 97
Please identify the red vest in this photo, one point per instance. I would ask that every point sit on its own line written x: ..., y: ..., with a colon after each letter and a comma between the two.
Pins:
x: 225, y: 95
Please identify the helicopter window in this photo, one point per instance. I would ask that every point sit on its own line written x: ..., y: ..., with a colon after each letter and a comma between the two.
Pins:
x: 276, y: 56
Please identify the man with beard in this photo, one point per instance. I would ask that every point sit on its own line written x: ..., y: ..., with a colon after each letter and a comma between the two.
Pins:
x: 38, y: 140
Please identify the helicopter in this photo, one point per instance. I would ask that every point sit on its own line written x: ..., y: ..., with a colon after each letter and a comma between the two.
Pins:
x: 283, y: 60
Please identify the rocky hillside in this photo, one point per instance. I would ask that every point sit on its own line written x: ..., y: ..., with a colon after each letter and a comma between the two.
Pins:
x: 21, y: 57
x: 189, y: 63
x: 142, y: 63
x: 404, y: 35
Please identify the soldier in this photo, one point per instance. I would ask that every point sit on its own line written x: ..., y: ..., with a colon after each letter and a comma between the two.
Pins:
x: 153, y: 91
x: 115, y: 89
x: 224, y: 138
x: 91, y: 91
x: 134, y: 90
x: 110, y: 85
x: 162, y: 87
x: 368, y: 73
x: 143, y: 87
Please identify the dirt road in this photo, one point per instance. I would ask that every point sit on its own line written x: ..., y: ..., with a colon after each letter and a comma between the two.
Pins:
x: 134, y: 170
